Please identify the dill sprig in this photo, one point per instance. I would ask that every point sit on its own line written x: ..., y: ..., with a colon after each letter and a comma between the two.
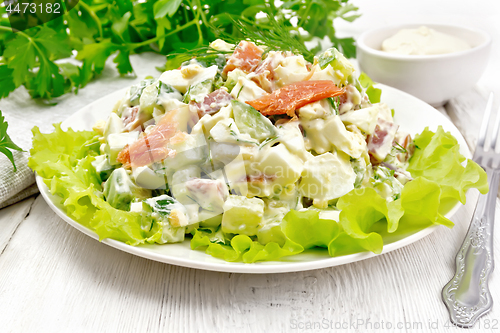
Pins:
x: 275, y: 37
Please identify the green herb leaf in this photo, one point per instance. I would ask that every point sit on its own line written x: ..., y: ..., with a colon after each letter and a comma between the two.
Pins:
x: 55, y: 44
x: 21, y: 56
x: 122, y: 61
x: 120, y: 27
x: 72, y: 74
x: 6, y: 144
x: 166, y: 7
x: 94, y: 58
x: 48, y: 82
x: 6, y: 81
x: 25, y: 53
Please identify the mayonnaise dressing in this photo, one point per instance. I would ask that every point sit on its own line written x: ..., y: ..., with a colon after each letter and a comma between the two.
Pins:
x: 423, y: 41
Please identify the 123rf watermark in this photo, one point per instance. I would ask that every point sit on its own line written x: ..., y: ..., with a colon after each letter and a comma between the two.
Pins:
x: 381, y: 325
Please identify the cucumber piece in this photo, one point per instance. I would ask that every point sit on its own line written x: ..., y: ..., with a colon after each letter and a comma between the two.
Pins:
x: 156, y: 93
x: 148, y: 99
x: 119, y: 190
x: 198, y: 91
x: 102, y: 167
x: 334, y: 58
x: 252, y: 122
x: 161, y: 205
x: 218, y: 82
x: 135, y: 92
x: 232, y: 78
x: 113, y: 125
x: 170, y: 214
x: 242, y: 215
x: 167, y: 92
x: 147, y: 178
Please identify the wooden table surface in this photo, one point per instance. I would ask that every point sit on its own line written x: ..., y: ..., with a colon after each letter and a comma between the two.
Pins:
x: 55, y: 279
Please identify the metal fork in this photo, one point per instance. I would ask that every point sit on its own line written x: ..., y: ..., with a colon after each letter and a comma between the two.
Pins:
x: 467, y: 295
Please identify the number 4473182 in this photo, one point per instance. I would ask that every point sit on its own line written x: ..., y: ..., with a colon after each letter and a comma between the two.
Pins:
x: 33, y: 8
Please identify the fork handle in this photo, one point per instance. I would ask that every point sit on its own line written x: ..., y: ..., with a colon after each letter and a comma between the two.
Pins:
x: 467, y: 295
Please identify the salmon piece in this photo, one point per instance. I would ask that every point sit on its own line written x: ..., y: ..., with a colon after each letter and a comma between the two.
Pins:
x: 124, y: 157
x: 152, y: 147
x: 246, y: 56
x: 293, y: 96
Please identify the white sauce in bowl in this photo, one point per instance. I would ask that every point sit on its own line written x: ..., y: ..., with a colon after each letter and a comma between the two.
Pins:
x: 423, y: 41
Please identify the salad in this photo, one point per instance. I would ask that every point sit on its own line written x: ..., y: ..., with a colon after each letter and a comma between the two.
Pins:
x: 254, y: 155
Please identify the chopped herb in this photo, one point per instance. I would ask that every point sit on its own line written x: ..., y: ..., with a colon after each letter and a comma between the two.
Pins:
x: 233, y: 134
x: 194, y: 200
x: 239, y: 92
x: 266, y: 141
x: 382, y: 174
x: 335, y: 104
x: 326, y: 58
x: 212, y: 59
x: 165, y: 88
x: 398, y: 148
x: 136, y: 91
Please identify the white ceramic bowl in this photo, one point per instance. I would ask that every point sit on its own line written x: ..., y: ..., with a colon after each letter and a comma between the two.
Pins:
x: 432, y: 78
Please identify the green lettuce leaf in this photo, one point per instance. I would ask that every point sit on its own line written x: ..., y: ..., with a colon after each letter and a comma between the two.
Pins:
x: 437, y: 158
x: 361, y: 209
x: 308, y: 230
x: 63, y: 159
x: 372, y: 92
x: 368, y: 221
x: 242, y: 247
x: 421, y: 199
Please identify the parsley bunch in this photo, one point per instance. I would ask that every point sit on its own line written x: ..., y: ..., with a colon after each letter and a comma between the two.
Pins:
x: 94, y: 30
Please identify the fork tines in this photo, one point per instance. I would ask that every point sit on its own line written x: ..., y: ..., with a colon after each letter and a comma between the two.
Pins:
x: 485, y: 154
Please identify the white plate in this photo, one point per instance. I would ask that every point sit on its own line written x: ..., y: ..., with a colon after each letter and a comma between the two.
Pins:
x: 412, y: 114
